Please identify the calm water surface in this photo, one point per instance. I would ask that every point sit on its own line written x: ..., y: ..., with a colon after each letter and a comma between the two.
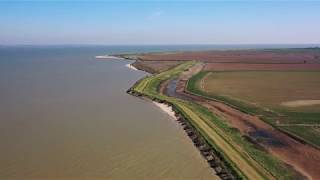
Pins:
x: 65, y: 115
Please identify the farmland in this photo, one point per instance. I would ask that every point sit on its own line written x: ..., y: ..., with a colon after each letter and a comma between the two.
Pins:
x: 266, y: 56
x: 279, y: 91
x: 155, y: 66
x: 264, y: 103
x: 301, y: 59
x: 241, y: 156
x: 266, y: 88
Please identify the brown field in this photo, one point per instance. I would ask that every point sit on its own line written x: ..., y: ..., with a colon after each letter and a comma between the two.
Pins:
x: 296, y: 56
x: 260, y: 67
x: 155, y: 66
x: 268, y: 88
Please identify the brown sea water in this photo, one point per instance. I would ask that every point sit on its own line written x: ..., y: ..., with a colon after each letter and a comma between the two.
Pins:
x: 65, y: 115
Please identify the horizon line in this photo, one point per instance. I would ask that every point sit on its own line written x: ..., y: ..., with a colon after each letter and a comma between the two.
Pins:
x: 152, y: 44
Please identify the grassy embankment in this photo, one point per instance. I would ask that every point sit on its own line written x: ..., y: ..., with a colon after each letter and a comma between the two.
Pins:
x: 241, y: 156
x: 286, y: 119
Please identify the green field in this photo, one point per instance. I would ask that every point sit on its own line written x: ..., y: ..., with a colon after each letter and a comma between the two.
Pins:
x: 287, y: 100
x: 240, y: 155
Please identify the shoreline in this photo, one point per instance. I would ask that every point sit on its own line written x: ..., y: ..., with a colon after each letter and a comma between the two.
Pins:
x: 166, y: 108
x: 108, y: 57
x: 215, y: 159
x: 211, y: 156
x: 130, y: 66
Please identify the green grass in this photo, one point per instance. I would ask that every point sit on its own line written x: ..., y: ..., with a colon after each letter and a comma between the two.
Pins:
x: 297, y: 117
x: 309, y: 134
x: 272, y: 164
x: 229, y: 137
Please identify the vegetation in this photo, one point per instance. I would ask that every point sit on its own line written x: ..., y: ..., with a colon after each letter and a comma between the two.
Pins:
x: 242, y: 156
x: 155, y: 66
x: 241, y: 89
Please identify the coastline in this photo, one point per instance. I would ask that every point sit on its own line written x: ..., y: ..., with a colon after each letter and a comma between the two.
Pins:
x: 130, y: 66
x: 215, y: 159
x: 154, y: 93
x: 107, y: 57
x: 167, y: 109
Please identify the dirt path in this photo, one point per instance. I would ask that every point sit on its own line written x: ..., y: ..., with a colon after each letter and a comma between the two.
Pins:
x: 302, y: 157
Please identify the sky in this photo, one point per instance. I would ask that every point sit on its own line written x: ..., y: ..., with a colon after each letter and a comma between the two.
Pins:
x: 159, y: 22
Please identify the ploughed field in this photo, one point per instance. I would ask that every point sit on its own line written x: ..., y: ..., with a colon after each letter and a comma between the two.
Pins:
x: 155, y: 66
x: 228, y: 60
x: 296, y: 56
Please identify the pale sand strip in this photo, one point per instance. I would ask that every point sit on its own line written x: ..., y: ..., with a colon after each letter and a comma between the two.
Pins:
x: 107, y: 57
x: 131, y: 67
x: 167, y: 109
x: 299, y: 103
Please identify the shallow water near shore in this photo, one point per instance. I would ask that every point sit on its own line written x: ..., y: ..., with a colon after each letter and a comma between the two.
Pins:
x: 65, y: 114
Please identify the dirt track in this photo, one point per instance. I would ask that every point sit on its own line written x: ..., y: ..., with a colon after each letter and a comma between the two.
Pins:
x: 304, y: 158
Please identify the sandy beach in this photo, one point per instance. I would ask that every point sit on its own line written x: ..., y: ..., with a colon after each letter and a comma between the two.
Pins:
x: 131, y: 67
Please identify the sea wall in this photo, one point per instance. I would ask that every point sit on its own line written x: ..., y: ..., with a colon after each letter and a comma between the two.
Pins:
x: 211, y: 155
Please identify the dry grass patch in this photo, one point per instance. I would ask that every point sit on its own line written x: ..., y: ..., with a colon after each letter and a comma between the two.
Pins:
x: 269, y: 89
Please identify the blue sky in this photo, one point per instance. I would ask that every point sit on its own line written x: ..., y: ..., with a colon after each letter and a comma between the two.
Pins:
x: 159, y: 22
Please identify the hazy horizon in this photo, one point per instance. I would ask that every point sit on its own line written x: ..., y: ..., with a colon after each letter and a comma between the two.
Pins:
x: 158, y: 23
